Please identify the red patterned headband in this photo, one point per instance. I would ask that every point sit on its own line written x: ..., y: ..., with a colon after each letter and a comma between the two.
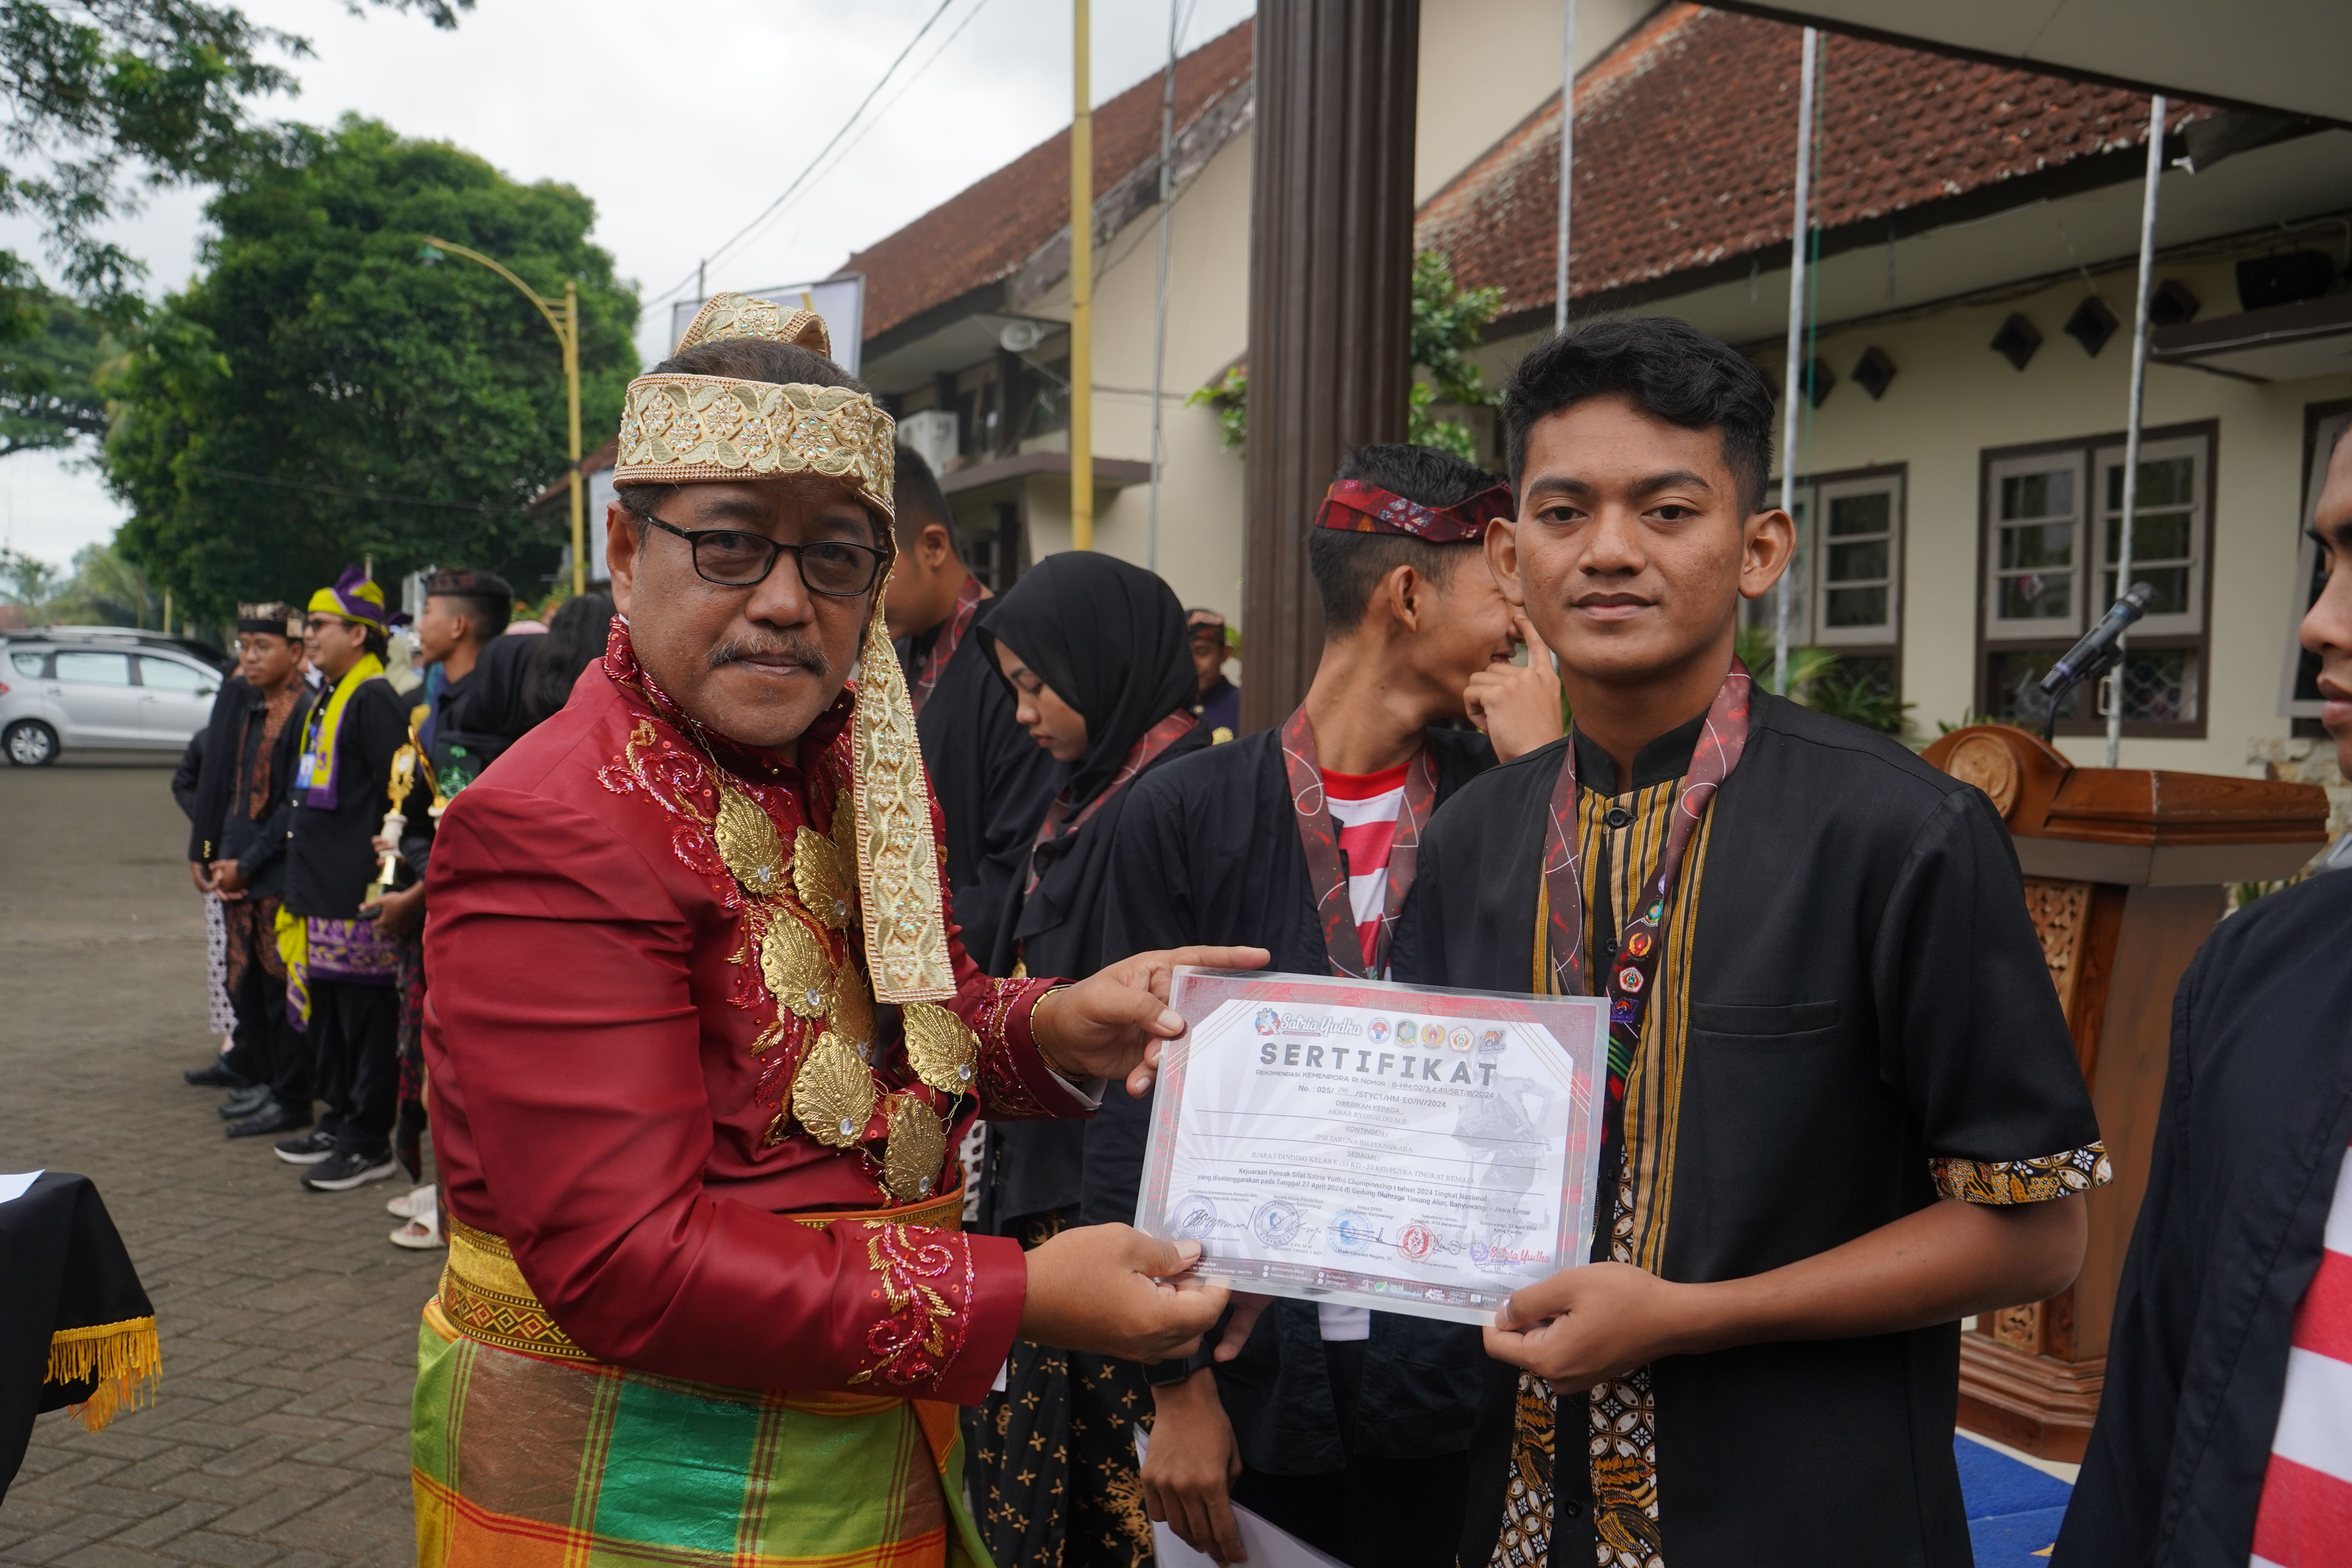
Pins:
x: 1358, y: 506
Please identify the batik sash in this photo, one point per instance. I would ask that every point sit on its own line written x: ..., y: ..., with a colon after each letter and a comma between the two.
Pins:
x: 1342, y: 945
x: 1064, y: 818
x: 944, y: 646
x: 1622, y: 1414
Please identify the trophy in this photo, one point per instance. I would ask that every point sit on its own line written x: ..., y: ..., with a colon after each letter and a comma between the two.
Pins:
x: 405, y: 763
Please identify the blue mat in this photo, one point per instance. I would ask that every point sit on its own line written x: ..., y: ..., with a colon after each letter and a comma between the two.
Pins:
x: 2013, y: 1509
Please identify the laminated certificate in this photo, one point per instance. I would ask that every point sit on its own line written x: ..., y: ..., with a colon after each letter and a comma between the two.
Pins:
x: 1406, y: 1148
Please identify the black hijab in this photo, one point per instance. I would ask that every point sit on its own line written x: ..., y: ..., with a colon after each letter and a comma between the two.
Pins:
x: 1110, y: 638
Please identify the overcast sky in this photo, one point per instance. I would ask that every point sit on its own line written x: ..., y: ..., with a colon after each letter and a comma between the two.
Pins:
x: 681, y: 121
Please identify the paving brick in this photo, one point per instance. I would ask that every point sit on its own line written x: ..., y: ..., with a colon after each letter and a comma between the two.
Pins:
x: 279, y: 1432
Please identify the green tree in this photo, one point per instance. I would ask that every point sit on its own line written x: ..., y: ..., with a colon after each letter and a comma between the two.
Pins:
x: 318, y: 394
x: 1447, y: 323
x: 50, y: 350
x: 106, y: 590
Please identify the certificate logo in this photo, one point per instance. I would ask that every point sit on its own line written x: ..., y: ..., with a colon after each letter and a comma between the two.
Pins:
x: 1490, y: 1044
x: 1275, y: 1222
x: 1193, y: 1218
x: 1353, y: 1233
x: 1459, y: 1039
x: 1268, y: 1021
x: 1407, y: 1032
x: 1376, y: 1031
x: 1414, y: 1242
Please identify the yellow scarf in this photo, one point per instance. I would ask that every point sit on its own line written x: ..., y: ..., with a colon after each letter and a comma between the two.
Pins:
x: 318, y: 768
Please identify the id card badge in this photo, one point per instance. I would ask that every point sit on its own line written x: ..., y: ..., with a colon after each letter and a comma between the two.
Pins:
x: 305, y: 770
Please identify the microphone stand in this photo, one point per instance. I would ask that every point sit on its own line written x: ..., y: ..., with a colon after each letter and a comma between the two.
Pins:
x: 2093, y: 656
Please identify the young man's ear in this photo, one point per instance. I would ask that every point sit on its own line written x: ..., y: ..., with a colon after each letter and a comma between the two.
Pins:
x: 1502, y: 547
x: 1769, y: 542
x: 933, y: 547
x: 1408, y: 596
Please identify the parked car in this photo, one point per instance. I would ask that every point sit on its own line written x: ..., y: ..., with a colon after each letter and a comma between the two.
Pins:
x: 103, y: 687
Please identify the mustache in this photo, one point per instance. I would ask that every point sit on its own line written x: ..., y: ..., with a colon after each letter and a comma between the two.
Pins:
x: 801, y: 651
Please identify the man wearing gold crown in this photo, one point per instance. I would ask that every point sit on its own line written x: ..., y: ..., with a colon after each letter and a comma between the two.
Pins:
x: 701, y: 1038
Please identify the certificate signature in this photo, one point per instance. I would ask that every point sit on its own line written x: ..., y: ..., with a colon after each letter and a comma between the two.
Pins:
x: 1402, y: 1148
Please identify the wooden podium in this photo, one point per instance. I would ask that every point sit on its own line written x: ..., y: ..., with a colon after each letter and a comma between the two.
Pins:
x: 2125, y: 874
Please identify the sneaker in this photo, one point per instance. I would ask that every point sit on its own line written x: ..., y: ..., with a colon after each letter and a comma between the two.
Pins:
x: 307, y: 1150
x: 415, y: 1204
x: 420, y: 1235
x: 345, y: 1171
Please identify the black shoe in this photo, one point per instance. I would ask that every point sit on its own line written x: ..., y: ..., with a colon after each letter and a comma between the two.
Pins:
x: 347, y: 1170
x: 218, y: 1075
x: 310, y: 1149
x: 243, y: 1102
x: 274, y: 1116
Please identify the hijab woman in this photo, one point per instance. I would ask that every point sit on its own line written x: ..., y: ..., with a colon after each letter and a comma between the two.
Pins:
x: 1094, y: 650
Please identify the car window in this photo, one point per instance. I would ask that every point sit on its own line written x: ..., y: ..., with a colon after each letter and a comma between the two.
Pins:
x: 170, y: 674
x: 29, y: 664
x: 93, y: 669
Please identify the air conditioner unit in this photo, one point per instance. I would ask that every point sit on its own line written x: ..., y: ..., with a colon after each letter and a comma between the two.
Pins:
x: 932, y: 434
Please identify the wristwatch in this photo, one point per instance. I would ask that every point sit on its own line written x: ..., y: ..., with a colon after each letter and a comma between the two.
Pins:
x: 1162, y: 1374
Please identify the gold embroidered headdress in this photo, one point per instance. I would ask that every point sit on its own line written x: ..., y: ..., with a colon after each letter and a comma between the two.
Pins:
x: 685, y: 429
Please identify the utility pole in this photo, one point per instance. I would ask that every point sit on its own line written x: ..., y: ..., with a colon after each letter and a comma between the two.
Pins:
x: 1800, y: 231
x: 1082, y: 290
x: 2155, y: 108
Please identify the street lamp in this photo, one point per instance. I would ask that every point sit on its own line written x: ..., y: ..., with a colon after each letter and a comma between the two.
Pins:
x: 567, y: 332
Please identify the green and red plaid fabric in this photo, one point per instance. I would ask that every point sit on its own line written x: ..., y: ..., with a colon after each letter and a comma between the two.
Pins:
x: 523, y: 1463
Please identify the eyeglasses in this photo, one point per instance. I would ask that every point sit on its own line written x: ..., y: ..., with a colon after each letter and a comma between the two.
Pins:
x: 734, y: 559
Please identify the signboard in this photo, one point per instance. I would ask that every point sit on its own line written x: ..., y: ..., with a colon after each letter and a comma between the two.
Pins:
x: 840, y: 300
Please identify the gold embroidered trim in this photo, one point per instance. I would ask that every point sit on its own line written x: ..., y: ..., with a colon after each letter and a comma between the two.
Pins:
x: 741, y: 316
x: 124, y: 1360
x: 2038, y: 1180
x: 685, y: 429
x: 897, y: 857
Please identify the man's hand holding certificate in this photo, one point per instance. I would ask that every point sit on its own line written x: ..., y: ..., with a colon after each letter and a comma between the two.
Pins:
x: 1398, y: 1147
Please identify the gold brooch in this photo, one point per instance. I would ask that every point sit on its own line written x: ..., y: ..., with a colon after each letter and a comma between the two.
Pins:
x: 747, y: 842
x: 793, y: 964
x: 940, y: 1048
x: 910, y: 1163
x: 832, y: 1093
x: 817, y: 878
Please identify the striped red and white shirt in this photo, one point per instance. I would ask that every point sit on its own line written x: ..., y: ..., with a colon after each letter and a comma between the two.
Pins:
x: 1364, y: 809
x: 2305, y: 1519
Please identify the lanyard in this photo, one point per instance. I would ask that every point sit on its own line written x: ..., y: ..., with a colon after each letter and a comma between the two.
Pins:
x: 1060, y: 823
x: 944, y: 646
x: 1720, y: 741
x: 1342, y: 945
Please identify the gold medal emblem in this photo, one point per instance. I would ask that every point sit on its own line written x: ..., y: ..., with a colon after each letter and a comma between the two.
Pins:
x: 749, y: 845
x: 817, y: 877
x: 792, y: 962
x: 853, y: 1009
x: 918, y: 1141
x: 944, y: 1052
x: 832, y: 1093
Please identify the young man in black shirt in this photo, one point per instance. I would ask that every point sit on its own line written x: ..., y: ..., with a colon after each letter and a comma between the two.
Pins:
x: 1841, y: 1092
x: 1301, y: 839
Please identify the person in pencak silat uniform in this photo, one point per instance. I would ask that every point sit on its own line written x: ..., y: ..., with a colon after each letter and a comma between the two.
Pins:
x: 1842, y: 1109
x: 1302, y: 840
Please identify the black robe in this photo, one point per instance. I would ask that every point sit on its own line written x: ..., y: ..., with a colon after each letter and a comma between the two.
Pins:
x: 1208, y: 852
x: 1865, y: 993
x: 994, y: 782
x: 330, y: 856
x: 2249, y: 1147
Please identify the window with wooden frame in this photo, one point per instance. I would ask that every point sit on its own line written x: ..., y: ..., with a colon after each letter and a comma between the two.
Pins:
x: 1847, y: 577
x: 2053, y: 528
x: 2323, y: 425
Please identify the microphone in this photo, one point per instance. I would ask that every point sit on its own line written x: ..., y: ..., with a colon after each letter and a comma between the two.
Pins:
x: 2097, y: 651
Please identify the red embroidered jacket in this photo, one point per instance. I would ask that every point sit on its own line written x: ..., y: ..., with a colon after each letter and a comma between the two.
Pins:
x: 595, y: 1095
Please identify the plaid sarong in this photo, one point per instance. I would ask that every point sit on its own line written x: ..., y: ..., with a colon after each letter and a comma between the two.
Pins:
x: 523, y: 1462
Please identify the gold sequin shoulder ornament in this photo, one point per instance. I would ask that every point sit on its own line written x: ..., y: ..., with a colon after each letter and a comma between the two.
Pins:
x: 690, y: 429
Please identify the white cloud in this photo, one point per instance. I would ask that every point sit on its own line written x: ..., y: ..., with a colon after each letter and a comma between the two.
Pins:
x: 681, y: 121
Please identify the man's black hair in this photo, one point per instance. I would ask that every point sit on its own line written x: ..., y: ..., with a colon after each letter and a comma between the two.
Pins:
x: 1349, y: 566
x: 921, y: 502
x: 738, y: 359
x: 1670, y: 368
x: 483, y: 597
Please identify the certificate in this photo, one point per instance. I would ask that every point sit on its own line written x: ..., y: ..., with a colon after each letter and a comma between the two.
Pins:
x: 1411, y: 1148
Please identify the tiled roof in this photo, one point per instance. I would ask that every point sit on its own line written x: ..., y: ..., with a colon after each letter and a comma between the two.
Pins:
x: 1685, y: 147
x: 987, y: 230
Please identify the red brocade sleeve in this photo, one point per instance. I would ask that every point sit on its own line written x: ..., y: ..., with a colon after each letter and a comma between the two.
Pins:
x: 592, y: 1104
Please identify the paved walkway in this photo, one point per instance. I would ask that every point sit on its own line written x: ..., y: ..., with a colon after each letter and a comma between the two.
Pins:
x: 280, y: 1435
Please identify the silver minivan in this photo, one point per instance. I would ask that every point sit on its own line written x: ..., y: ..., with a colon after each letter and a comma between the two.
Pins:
x: 108, y: 688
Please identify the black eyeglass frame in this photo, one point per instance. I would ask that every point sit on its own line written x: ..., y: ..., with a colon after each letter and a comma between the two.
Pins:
x: 777, y: 548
